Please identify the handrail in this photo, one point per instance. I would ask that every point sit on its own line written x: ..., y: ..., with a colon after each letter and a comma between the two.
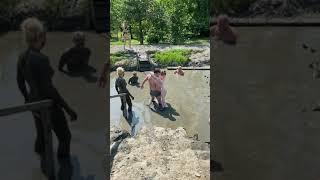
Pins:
x: 26, y: 107
x: 118, y: 95
x: 44, y: 107
x: 124, y: 102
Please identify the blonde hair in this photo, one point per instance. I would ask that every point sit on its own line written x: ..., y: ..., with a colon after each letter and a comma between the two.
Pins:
x: 78, y: 37
x: 120, y: 71
x: 32, y: 29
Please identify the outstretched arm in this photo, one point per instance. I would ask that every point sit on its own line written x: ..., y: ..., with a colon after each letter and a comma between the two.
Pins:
x: 63, y: 60
x: 145, y: 80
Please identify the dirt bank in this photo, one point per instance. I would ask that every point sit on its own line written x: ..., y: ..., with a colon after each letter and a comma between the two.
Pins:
x: 200, y: 55
x: 159, y: 153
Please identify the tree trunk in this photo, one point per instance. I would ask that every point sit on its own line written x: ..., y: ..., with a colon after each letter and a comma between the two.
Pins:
x: 140, y: 33
x: 130, y: 31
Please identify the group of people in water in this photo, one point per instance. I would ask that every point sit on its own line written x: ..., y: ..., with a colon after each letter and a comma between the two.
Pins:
x: 156, y: 84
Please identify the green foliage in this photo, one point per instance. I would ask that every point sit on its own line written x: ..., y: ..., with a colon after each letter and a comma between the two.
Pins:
x: 119, y: 56
x: 230, y: 6
x: 173, y: 57
x: 161, y: 21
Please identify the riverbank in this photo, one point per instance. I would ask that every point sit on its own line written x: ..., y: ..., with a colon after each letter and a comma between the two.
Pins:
x: 199, y: 57
x: 159, y: 153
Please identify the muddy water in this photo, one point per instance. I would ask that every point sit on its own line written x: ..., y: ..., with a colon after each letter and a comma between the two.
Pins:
x: 187, y: 97
x: 88, y: 133
x: 264, y: 127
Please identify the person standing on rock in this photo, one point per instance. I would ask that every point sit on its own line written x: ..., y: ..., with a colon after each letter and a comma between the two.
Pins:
x: 121, y: 87
x: 223, y: 31
x: 33, y: 68
x: 125, y: 35
x: 155, y: 85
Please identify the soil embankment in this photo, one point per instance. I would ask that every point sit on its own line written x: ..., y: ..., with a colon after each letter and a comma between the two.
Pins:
x: 159, y: 153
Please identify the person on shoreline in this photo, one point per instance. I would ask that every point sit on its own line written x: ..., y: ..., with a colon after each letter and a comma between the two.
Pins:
x: 121, y: 87
x: 179, y: 71
x: 155, y: 85
x: 34, y: 69
x: 125, y: 35
x: 134, y: 80
x: 223, y: 31
x: 77, y: 57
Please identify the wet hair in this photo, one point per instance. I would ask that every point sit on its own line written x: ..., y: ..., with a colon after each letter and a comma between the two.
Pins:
x: 156, y: 70
x: 163, y: 73
x: 32, y: 29
x: 134, y: 73
x: 78, y: 38
x: 120, y: 71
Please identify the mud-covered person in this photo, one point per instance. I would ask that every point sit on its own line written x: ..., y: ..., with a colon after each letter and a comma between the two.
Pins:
x: 121, y: 87
x: 155, y: 85
x: 76, y: 58
x: 223, y: 31
x: 34, y: 69
x: 102, y: 81
x: 134, y: 79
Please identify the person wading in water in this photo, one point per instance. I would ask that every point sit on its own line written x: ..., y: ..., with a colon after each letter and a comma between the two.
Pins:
x: 223, y: 31
x: 33, y: 68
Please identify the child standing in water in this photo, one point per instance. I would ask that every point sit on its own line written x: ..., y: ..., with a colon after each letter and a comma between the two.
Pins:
x: 121, y: 87
x: 163, y: 89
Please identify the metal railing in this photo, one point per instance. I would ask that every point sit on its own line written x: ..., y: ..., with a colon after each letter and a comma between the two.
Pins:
x: 44, y: 108
x: 124, y: 101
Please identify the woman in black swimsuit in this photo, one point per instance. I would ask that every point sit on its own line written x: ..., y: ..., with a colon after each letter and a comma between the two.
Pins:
x: 34, y: 69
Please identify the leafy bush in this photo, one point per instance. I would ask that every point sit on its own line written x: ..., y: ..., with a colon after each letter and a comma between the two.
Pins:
x: 173, y: 57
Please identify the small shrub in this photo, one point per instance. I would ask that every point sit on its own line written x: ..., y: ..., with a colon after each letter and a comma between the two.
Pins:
x: 173, y: 57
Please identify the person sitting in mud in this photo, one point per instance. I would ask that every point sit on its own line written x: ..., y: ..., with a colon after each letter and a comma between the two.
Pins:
x: 223, y: 31
x: 179, y: 71
x: 33, y: 68
x: 155, y: 85
x: 77, y: 57
x: 134, y: 80
x: 121, y: 87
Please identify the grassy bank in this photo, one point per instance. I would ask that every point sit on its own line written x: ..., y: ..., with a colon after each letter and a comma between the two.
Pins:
x: 173, y: 57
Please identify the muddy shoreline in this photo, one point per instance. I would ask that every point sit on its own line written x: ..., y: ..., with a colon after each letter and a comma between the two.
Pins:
x: 158, y: 153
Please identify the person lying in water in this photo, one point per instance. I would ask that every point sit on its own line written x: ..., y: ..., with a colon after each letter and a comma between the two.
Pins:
x: 179, y: 71
x: 223, y: 31
x: 121, y: 87
x: 77, y: 57
x: 155, y: 85
x: 134, y: 79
